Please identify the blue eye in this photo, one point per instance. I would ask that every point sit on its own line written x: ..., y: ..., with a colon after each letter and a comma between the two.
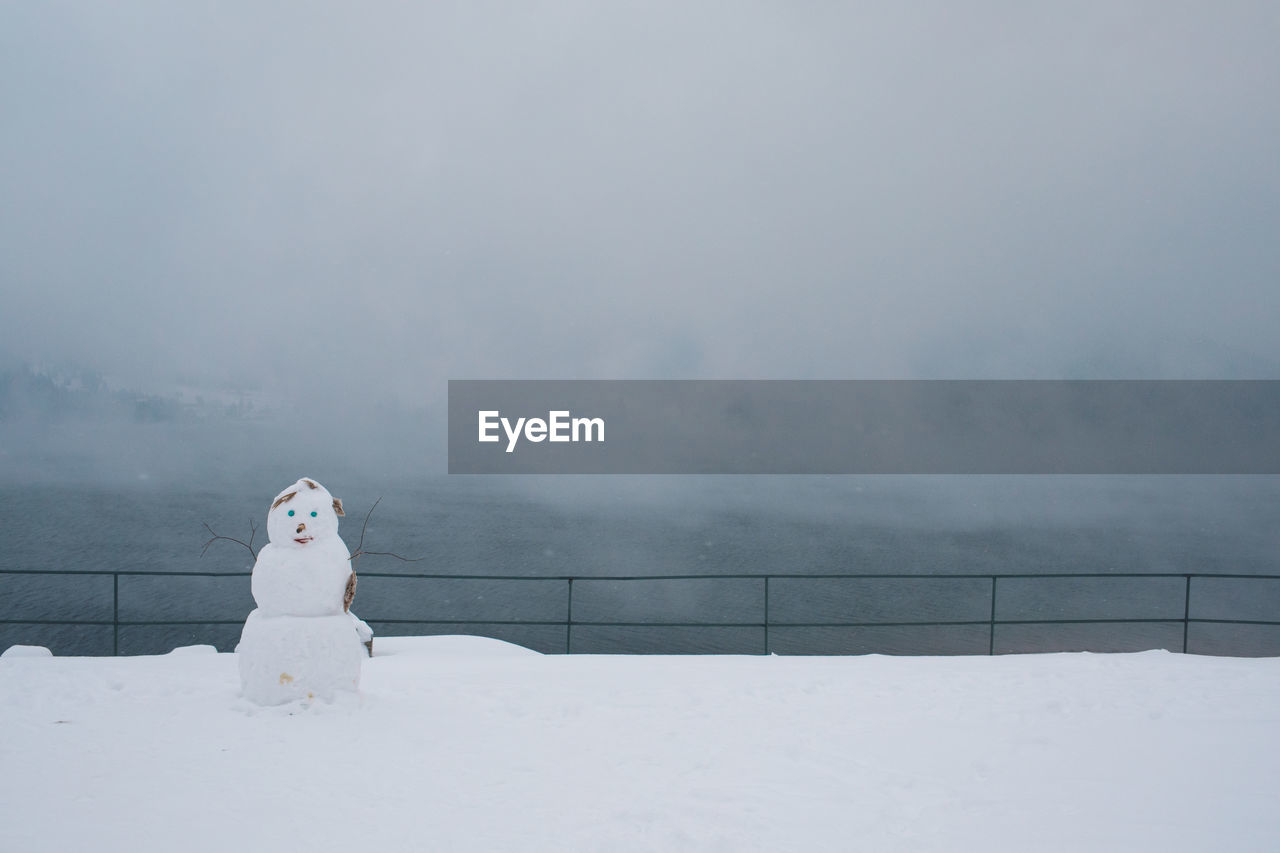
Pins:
x: 291, y: 513
x: 313, y: 513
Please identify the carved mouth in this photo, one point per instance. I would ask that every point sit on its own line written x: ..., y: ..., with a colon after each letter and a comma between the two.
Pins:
x: 302, y: 540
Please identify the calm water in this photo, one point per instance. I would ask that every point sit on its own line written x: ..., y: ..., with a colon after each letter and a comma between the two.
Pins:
x: 628, y: 526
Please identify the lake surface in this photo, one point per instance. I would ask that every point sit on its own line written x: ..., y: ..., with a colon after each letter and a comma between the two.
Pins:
x: 654, y: 525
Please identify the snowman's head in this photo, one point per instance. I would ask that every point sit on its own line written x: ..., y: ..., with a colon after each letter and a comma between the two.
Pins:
x: 303, y: 513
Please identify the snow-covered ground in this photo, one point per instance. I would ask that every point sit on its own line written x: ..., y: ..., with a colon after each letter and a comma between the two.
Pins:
x: 460, y: 744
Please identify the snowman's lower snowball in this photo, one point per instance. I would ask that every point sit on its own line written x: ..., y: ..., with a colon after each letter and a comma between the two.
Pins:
x: 285, y: 658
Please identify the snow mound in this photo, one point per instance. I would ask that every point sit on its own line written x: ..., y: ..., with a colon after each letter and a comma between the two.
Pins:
x: 194, y: 650
x: 450, y: 645
x: 26, y: 652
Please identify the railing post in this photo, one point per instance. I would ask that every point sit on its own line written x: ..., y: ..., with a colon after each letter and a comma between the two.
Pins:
x: 766, y: 615
x: 1186, y: 613
x: 568, y: 624
x: 991, y: 624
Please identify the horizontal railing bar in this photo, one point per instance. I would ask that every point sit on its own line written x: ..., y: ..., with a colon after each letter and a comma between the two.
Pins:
x: 562, y: 622
x: 475, y: 577
x: 772, y: 624
x: 135, y: 573
x: 136, y: 622
x: 967, y: 622
x: 56, y: 622
x: 821, y: 576
x: 126, y: 573
x: 756, y: 576
x: 1108, y: 621
x: 876, y: 576
x: 1235, y: 621
x: 123, y: 622
x: 577, y: 623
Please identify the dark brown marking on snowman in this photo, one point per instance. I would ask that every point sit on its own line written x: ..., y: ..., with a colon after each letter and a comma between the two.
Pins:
x: 349, y: 594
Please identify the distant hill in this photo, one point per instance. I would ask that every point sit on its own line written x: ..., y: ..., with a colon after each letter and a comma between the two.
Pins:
x: 47, y: 396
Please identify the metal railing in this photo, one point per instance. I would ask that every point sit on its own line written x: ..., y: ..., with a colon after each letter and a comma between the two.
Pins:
x: 768, y: 619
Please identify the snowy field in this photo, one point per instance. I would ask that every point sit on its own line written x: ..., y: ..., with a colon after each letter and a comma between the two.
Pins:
x: 462, y: 744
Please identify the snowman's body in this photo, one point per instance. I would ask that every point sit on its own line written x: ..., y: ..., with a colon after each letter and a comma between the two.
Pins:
x: 300, y: 643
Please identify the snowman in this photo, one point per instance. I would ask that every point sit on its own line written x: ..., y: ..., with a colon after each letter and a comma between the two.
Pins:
x: 302, y: 641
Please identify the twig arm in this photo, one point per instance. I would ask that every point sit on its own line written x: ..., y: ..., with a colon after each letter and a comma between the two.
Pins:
x: 253, y: 531
x: 360, y: 552
x: 389, y: 554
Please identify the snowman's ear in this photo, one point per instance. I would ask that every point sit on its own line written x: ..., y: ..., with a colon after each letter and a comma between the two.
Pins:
x: 283, y: 499
x: 310, y: 485
x: 337, y: 506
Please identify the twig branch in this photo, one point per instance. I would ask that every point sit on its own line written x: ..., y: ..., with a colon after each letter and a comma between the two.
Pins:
x: 365, y: 526
x: 253, y: 531
x: 360, y: 552
x: 388, y: 554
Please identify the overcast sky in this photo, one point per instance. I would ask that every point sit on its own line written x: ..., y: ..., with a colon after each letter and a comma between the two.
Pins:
x: 364, y: 200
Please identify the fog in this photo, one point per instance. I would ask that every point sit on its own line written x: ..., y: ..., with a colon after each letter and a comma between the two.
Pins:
x: 330, y: 209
